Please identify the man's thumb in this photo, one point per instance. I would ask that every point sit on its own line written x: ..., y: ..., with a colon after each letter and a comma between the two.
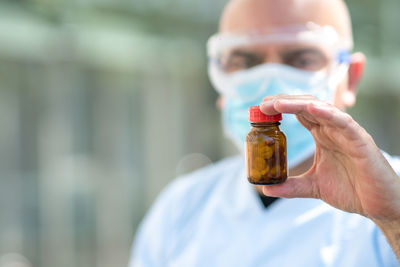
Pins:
x: 299, y: 186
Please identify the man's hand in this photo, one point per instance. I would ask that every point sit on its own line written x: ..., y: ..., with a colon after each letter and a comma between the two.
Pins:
x: 349, y: 171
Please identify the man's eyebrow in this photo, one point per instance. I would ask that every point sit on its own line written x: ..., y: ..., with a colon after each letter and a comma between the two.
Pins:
x: 299, y: 51
x: 243, y: 53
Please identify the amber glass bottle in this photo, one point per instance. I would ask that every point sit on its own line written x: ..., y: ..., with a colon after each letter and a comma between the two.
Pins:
x: 265, y: 149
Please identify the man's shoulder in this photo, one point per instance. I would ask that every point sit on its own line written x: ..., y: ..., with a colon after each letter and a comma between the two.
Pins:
x: 213, y: 170
x: 187, y: 195
x: 204, y: 179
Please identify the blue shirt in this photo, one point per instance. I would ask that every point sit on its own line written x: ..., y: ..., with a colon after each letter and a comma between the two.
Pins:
x: 213, y: 217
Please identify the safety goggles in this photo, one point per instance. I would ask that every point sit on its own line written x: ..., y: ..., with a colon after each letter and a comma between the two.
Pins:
x: 308, y: 47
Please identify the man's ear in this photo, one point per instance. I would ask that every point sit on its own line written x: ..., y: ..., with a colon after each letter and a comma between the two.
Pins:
x: 356, y: 70
x: 355, y: 73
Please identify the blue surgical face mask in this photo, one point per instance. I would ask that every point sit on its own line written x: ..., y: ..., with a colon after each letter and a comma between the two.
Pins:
x: 249, y: 87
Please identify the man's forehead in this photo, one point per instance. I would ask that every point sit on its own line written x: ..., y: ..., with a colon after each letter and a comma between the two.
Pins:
x: 249, y: 15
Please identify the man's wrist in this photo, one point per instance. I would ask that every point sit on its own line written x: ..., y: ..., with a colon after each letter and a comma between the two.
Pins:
x: 391, y: 230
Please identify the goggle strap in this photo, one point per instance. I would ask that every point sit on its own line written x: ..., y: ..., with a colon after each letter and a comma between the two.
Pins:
x: 344, y: 57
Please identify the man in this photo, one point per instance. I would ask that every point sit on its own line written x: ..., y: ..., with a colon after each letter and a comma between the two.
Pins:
x: 341, y: 204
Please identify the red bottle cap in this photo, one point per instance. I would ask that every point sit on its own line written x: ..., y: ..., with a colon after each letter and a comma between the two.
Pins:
x: 255, y: 115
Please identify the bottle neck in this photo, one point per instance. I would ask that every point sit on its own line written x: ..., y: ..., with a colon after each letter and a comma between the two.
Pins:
x: 265, y: 124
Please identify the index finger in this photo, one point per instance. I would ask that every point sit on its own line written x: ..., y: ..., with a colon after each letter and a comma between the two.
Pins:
x: 271, y: 105
x: 314, y: 110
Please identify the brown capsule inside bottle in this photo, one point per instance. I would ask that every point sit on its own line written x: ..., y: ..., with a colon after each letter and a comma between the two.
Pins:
x: 266, y: 162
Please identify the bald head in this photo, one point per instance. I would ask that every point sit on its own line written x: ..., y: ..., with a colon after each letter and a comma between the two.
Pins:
x: 248, y: 15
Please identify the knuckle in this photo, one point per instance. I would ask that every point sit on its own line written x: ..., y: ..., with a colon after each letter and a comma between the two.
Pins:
x: 348, y: 119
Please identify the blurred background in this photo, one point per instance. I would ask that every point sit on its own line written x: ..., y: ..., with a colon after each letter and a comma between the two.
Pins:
x: 103, y: 102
